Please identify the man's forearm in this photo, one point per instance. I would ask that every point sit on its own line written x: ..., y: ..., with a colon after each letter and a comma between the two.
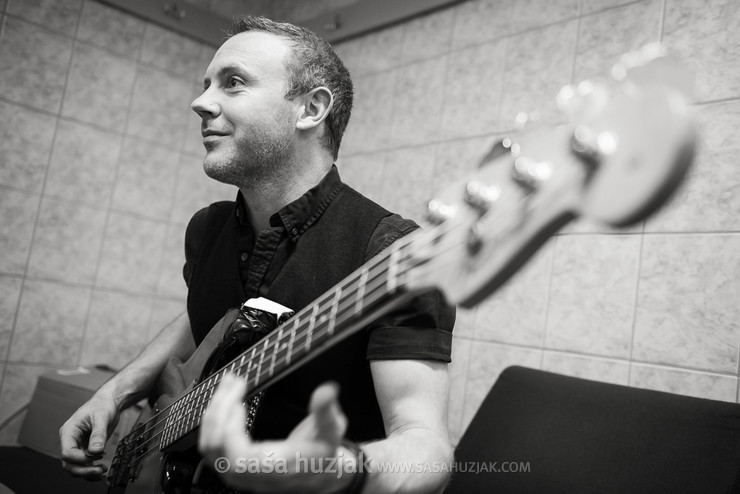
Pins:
x: 408, y: 462
x: 135, y: 380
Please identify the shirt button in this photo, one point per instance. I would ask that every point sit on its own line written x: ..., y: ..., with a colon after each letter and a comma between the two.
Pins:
x: 294, y: 231
x: 244, y: 257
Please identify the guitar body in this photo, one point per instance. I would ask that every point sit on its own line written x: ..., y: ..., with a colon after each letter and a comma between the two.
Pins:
x: 173, y: 470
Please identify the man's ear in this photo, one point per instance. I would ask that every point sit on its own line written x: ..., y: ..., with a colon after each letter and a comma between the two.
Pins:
x: 316, y: 106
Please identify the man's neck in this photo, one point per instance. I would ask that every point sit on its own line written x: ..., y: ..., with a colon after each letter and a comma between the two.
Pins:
x: 267, y: 197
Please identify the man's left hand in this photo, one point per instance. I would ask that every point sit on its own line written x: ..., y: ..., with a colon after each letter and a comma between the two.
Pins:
x: 274, y: 466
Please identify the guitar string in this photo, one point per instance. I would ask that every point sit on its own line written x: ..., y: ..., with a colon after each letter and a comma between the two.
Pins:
x: 430, y: 237
x: 409, y: 267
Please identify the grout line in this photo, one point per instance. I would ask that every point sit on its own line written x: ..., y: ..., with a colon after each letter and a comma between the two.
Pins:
x: 635, y: 301
x: 543, y: 344
x: 661, y: 27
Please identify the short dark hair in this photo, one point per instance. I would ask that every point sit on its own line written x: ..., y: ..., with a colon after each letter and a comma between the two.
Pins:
x: 312, y: 63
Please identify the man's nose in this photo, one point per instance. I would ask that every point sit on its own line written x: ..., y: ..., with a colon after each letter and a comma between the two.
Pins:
x: 205, y: 105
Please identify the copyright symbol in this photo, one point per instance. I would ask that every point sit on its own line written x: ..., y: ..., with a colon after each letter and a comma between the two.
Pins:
x: 222, y: 465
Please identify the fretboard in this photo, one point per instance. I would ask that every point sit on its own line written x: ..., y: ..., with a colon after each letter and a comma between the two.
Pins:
x: 335, y: 315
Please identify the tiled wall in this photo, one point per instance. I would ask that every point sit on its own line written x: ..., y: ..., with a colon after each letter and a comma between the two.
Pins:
x: 655, y: 306
x: 100, y: 170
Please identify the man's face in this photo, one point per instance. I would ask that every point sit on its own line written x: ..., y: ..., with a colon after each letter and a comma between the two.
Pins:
x: 247, y: 124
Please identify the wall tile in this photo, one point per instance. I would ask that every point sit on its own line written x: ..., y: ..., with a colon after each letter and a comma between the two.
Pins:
x: 99, y: 88
x: 51, y: 322
x: 481, y: 21
x: 606, y: 36
x: 473, y: 90
x: 83, y: 164
x: 193, y: 140
x: 592, y: 297
x: 146, y: 179
x: 527, y: 14
x: 164, y: 311
x: 458, y: 369
x: 19, y: 384
x: 159, y: 109
x: 34, y: 63
x: 10, y: 292
x: 709, y: 200
x: 171, y: 282
x: 465, y: 322
x: 175, y: 53
x: 685, y: 382
x: 25, y: 144
x: 381, y: 50
x: 587, y: 367
x: 456, y: 160
x: 131, y: 254
x: 351, y: 54
x: 195, y: 190
x: 417, y: 109
x: 516, y: 312
x: 67, y: 242
x: 706, y: 35
x: 407, y: 180
x: 59, y: 15
x: 487, y: 361
x: 369, y: 127
x: 428, y: 36
x: 538, y: 64
x: 110, y: 28
x: 17, y: 216
x: 117, y: 329
x: 364, y: 172
x: 687, y: 310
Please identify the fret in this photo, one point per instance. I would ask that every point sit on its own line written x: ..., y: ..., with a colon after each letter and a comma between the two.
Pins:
x: 311, y: 325
x: 275, y: 351
x: 262, y: 359
x: 361, y: 290
x: 250, y: 363
x: 290, y: 344
x: 333, y: 311
x: 393, y: 268
x: 241, y: 362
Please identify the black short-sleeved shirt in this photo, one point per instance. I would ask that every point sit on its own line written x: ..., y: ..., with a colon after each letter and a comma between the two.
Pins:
x: 312, y: 244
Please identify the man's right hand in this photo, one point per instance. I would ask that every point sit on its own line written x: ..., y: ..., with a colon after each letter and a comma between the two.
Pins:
x: 84, y: 435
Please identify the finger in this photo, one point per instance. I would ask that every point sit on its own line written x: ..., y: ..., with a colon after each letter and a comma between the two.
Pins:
x: 90, y: 472
x: 69, y: 437
x: 99, y: 435
x: 224, y: 407
x: 331, y: 422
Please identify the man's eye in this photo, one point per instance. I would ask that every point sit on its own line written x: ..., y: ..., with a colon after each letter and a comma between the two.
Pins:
x: 234, y: 82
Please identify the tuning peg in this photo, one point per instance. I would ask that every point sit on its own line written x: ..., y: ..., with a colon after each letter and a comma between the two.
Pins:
x: 582, y: 102
x: 592, y: 146
x: 526, y: 120
x: 530, y: 173
x: 481, y: 196
x: 439, y: 212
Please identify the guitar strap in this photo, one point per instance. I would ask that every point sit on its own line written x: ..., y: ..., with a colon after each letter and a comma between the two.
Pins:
x: 255, y: 319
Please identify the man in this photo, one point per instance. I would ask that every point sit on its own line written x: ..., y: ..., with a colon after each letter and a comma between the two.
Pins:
x: 275, y: 104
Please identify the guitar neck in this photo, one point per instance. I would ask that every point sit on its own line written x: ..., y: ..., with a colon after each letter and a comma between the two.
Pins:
x: 369, y: 292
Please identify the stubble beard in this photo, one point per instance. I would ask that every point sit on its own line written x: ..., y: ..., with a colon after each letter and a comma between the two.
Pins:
x: 264, y: 160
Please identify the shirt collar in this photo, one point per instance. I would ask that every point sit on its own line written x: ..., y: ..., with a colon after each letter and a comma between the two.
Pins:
x: 300, y: 214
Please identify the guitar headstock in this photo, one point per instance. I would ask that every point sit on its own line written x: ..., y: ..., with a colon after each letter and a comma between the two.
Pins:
x: 626, y: 146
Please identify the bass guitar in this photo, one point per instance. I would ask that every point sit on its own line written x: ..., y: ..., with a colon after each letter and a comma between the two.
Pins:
x: 626, y: 145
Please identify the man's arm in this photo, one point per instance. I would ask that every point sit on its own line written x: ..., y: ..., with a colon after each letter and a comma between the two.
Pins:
x: 413, y: 398
x: 83, y: 436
